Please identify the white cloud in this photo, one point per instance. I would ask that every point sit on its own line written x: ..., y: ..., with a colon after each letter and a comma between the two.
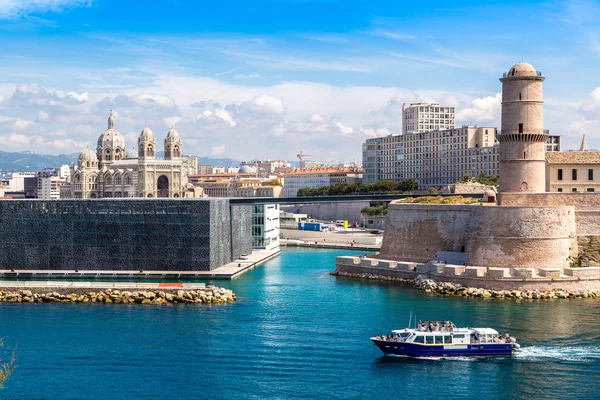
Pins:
x: 43, y: 115
x: 14, y: 140
x: 344, y: 130
x: 217, y: 151
x: 316, y: 118
x: 265, y: 104
x: 279, y: 130
x: 485, y: 109
x: 15, y: 8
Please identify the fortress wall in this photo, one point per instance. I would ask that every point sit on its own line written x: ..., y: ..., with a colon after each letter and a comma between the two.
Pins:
x: 118, y: 234
x: 416, y: 232
x: 492, y: 236
x: 549, y: 199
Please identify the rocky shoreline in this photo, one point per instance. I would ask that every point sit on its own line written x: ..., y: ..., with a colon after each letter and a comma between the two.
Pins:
x: 422, y: 282
x: 109, y: 296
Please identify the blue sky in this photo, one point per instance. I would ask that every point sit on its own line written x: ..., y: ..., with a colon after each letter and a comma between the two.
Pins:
x: 266, y: 79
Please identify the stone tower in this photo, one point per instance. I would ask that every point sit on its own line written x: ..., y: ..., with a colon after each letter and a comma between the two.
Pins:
x: 172, y: 145
x: 522, y: 138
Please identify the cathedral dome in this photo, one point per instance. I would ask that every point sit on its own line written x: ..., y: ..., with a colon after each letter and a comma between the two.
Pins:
x: 111, y: 137
x: 146, y: 133
x: 522, y: 69
x: 172, y: 134
x: 88, y: 155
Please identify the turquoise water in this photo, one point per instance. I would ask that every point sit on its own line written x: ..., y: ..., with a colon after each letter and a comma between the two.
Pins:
x: 295, y: 333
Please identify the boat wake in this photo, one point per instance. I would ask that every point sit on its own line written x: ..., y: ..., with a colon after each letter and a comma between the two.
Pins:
x: 566, y: 353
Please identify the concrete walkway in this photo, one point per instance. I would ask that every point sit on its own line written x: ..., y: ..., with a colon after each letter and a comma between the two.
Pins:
x: 227, y: 271
x: 328, y: 245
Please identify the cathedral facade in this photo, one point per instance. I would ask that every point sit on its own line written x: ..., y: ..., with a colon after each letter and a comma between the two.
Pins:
x: 110, y: 172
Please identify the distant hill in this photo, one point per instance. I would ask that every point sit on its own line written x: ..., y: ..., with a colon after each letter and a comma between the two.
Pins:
x: 27, y: 161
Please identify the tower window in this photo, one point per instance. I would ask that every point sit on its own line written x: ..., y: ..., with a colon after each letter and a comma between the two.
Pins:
x: 524, y: 155
x: 520, y: 96
x: 559, y: 190
x: 590, y: 174
x: 574, y: 174
x: 520, y: 128
x: 560, y: 174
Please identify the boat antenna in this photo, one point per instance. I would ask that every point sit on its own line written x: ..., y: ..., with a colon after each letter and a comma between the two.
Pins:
x: 410, y: 319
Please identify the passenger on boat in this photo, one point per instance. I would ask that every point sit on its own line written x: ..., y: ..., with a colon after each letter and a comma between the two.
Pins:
x: 430, y: 326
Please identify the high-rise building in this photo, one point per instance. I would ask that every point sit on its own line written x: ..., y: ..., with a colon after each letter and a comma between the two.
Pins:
x: 423, y: 117
x: 436, y: 158
x: 316, y: 178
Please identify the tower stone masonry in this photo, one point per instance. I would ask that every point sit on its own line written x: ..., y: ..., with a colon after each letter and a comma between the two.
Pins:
x: 522, y: 138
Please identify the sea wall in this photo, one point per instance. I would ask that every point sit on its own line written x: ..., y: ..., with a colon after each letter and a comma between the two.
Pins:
x: 490, y: 278
x: 122, y: 234
x: 491, y: 236
x: 114, y: 296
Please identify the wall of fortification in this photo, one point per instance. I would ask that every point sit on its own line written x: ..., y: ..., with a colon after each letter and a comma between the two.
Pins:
x: 491, y: 236
x: 549, y: 199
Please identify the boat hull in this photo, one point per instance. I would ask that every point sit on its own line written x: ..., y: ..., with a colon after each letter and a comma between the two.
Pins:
x: 466, y: 350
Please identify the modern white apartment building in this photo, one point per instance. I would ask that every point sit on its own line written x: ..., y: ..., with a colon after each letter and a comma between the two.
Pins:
x: 435, y: 158
x: 317, y: 178
x: 423, y: 117
x: 265, y: 226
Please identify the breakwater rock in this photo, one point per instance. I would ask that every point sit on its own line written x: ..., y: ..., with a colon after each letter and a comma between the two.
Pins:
x: 422, y: 282
x: 38, y: 295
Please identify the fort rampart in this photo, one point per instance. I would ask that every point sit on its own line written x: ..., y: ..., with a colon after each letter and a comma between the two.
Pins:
x: 489, y: 236
x: 567, y: 279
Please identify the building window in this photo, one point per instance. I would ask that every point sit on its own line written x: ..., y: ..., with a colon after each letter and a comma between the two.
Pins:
x: 520, y: 128
x: 590, y: 190
x: 590, y: 174
x: 559, y: 190
x: 560, y: 176
x: 573, y: 190
x: 574, y: 174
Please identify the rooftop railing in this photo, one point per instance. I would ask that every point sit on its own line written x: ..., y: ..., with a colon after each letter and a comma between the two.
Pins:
x: 538, y: 73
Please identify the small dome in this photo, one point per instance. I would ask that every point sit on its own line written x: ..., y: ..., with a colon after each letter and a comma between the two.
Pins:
x: 522, y: 69
x: 88, y: 155
x: 173, y: 134
x: 146, y: 133
x: 246, y: 169
x: 111, y: 137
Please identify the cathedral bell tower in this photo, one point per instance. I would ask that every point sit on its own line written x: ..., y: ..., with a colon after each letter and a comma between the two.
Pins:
x: 522, y: 138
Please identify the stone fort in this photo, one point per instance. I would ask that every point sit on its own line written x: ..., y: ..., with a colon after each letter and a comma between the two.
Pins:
x: 528, y: 231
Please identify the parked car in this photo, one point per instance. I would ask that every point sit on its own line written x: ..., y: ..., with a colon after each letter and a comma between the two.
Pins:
x: 375, y: 231
x: 243, y: 256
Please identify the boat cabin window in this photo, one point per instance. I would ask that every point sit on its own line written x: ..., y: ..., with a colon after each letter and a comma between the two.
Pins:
x: 429, y: 339
x: 439, y: 340
x: 419, y: 339
x: 457, y: 338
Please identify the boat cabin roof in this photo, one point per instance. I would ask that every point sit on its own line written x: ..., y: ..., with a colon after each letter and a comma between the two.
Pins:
x: 485, y: 331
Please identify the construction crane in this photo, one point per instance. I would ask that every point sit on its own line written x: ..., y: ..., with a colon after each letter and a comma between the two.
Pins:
x: 300, y: 157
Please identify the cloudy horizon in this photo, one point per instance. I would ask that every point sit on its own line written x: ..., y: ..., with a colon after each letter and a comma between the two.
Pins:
x: 281, y: 76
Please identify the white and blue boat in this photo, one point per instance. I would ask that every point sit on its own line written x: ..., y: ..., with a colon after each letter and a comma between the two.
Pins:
x: 446, y: 341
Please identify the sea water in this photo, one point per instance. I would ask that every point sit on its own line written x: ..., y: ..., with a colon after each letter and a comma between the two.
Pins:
x: 296, y: 332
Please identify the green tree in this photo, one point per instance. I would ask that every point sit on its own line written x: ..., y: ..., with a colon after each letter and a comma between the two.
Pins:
x: 8, y: 363
x: 407, y: 185
x: 432, y: 190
